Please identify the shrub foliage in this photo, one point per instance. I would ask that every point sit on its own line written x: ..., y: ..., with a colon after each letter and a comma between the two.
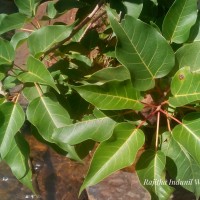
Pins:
x: 124, y: 75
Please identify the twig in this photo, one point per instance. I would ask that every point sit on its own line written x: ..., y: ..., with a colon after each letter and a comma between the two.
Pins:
x: 157, y: 130
x: 150, y: 115
x: 76, y: 29
x: 25, y: 29
x: 168, y: 125
x: 19, y: 67
x: 34, y: 25
x: 15, y: 98
x: 148, y: 105
x: 170, y: 116
x: 190, y: 107
x: 90, y: 24
x: 38, y: 24
x: 38, y: 89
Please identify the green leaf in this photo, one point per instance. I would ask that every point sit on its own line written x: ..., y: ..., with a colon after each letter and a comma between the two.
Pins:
x: 37, y: 72
x: 141, y: 49
x: 26, y: 7
x: 188, y: 55
x: 116, y: 153
x: 47, y: 37
x: 18, y: 160
x: 51, y: 11
x: 72, y: 153
x: 178, y: 21
x: 12, y: 21
x: 186, y: 167
x: 30, y: 91
x: 187, y: 134
x: 195, y: 31
x: 150, y: 169
x: 46, y: 114
x: 7, y: 52
x: 12, y: 118
x: 10, y: 82
x: 18, y: 39
x: 111, y: 96
x: 185, y: 87
x: 80, y: 60
x: 133, y: 7
x: 95, y: 128
x: 119, y: 73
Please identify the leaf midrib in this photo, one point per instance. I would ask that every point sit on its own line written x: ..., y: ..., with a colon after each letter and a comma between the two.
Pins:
x: 178, y: 20
x: 113, y: 96
x: 113, y: 156
x: 136, y: 51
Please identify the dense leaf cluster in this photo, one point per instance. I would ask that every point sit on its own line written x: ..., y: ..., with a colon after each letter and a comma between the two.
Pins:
x: 124, y: 75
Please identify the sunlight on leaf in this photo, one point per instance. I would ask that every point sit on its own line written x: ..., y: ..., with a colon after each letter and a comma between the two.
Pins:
x: 12, y: 118
x: 37, y: 73
x: 151, y: 167
x: 186, y: 167
x: 43, y: 39
x: 185, y: 87
x: 111, y: 96
x: 141, y: 49
x: 178, y: 21
x: 188, y: 135
x: 116, y: 153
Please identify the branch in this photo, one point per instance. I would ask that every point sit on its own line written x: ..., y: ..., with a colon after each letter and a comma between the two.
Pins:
x: 38, y: 89
x: 150, y: 115
x: 77, y: 28
x: 157, y: 130
x: 170, y: 116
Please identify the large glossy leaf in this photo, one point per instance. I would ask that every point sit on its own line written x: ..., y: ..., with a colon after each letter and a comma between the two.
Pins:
x: 46, y: 114
x: 188, y: 135
x: 26, y: 7
x: 189, y: 55
x: 178, y: 21
x: 116, y: 153
x: 11, y: 120
x: 18, y: 160
x: 150, y: 169
x: 185, y: 87
x: 37, y: 72
x: 30, y: 91
x: 18, y: 39
x: 46, y: 37
x: 97, y: 128
x: 51, y: 10
x: 142, y: 50
x: 186, y: 167
x: 111, y: 96
x: 195, y: 30
x: 119, y: 73
x: 7, y: 52
x: 11, y: 22
x: 133, y: 7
